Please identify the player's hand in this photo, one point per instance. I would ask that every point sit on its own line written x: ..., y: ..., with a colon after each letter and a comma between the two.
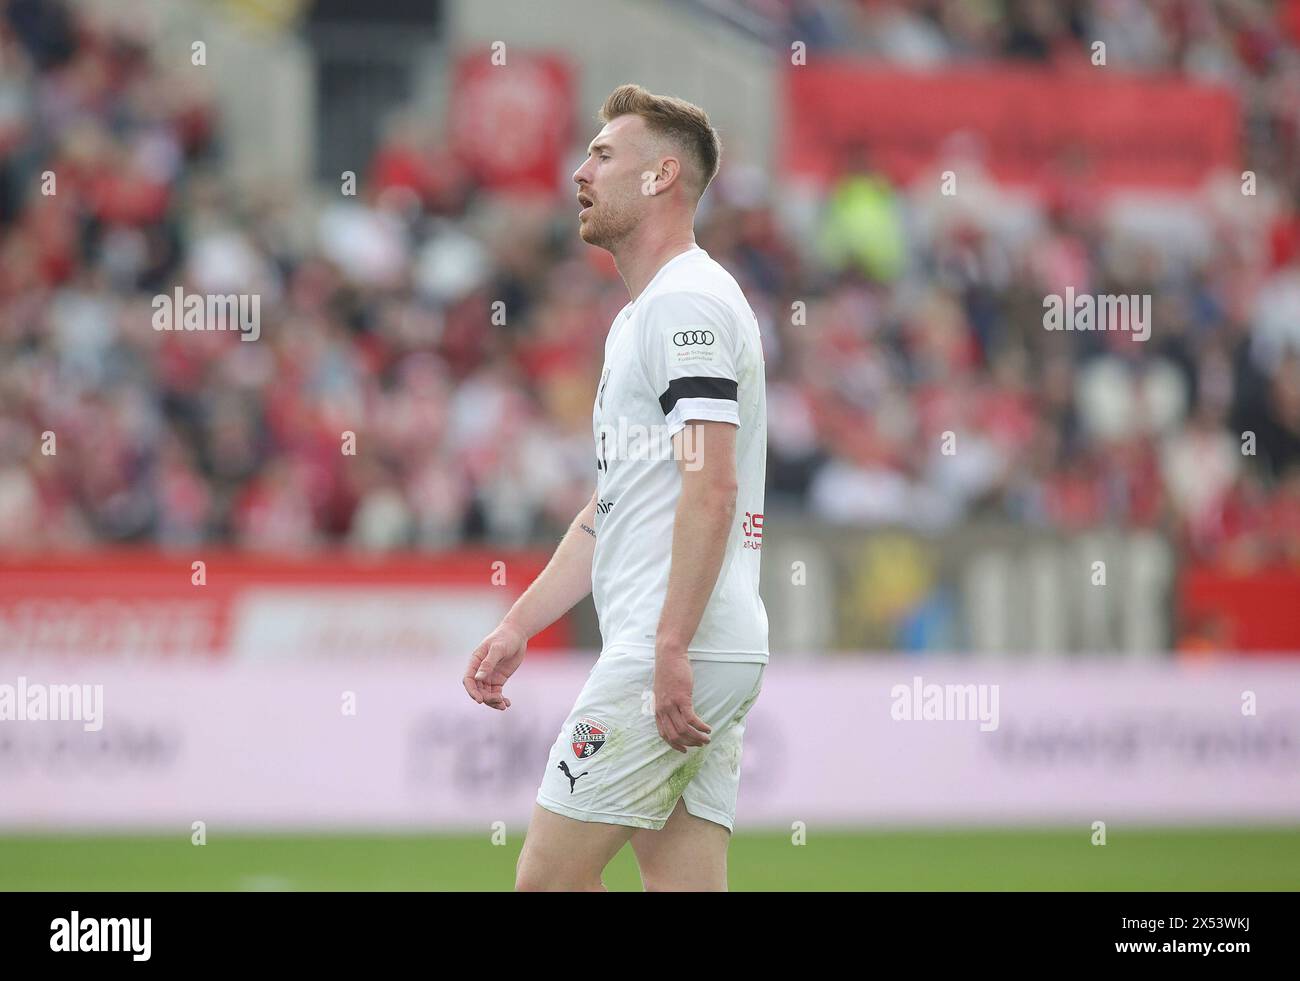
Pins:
x: 675, y: 714
x: 492, y: 664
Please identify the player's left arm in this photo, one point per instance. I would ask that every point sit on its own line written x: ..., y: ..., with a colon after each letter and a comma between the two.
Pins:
x: 690, y: 346
x: 705, y: 512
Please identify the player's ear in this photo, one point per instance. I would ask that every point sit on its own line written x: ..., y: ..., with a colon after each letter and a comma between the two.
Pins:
x: 671, y: 172
x: 663, y: 177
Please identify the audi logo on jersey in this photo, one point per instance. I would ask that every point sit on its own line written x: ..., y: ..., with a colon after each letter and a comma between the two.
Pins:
x: 686, y: 338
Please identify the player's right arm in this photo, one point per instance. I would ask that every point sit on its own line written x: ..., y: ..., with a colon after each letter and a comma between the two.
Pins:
x: 561, y: 585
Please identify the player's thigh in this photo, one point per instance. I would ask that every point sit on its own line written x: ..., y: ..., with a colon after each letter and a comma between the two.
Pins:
x: 711, y: 794
x: 564, y: 854
x: 690, y: 851
x: 689, y: 854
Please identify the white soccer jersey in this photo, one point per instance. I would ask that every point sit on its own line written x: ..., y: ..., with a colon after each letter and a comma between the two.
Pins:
x: 686, y: 349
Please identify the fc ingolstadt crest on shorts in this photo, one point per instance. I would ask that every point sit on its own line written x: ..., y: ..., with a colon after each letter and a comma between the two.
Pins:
x: 588, y: 736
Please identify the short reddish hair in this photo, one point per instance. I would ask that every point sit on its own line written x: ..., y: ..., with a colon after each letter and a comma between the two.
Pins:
x: 683, y: 122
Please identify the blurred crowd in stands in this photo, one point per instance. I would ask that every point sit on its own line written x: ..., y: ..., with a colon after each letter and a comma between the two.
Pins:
x: 888, y: 322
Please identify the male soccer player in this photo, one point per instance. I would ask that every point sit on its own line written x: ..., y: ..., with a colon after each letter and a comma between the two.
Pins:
x: 669, y: 543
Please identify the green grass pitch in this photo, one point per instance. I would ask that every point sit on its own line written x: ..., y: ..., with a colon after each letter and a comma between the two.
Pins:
x: 1019, y: 859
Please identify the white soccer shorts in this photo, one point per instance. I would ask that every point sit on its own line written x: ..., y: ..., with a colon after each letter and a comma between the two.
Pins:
x: 609, y: 763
